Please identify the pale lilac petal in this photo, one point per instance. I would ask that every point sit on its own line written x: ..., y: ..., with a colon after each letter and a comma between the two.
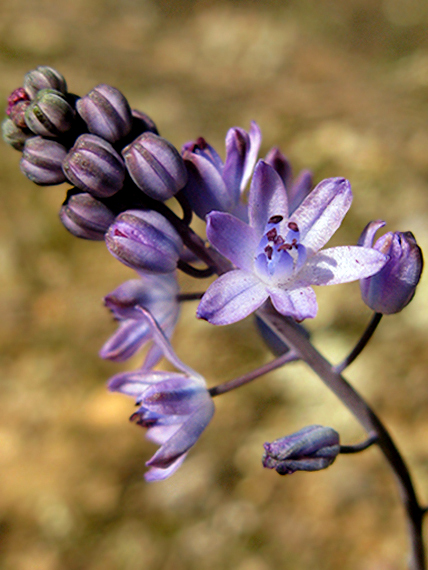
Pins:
x: 322, y: 212
x: 184, y: 438
x: 135, y: 383
x: 158, y: 474
x: 300, y: 188
x: 299, y: 303
x: 178, y: 395
x: 341, y: 265
x: 267, y: 197
x: 237, y: 147
x: 128, y: 338
x: 234, y: 239
x: 232, y: 297
x: 255, y: 135
x: 367, y: 236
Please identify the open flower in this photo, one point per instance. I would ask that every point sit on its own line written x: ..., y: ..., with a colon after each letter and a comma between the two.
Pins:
x: 157, y: 294
x: 212, y: 185
x: 278, y: 255
x: 175, y: 407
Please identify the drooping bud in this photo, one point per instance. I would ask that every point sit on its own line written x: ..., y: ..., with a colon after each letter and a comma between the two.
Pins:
x: 41, y: 161
x: 86, y: 217
x: 155, y: 166
x: 144, y: 240
x: 14, y: 135
x: 44, y: 77
x: 49, y: 114
x: 394, y: 286
x: 310, y: 449
x: 94, y: 166
x: 106, y: 112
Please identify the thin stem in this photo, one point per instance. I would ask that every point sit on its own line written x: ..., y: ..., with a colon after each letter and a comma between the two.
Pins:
x: 189, y: 296
x: 366, y: 336
x: 367, y: 418
x: 290, y: 356
x: 195, y: 271
x: 185, y: 206
x: 359, y: 446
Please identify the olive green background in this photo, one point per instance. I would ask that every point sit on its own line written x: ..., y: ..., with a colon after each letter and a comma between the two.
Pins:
x: 342, y: 87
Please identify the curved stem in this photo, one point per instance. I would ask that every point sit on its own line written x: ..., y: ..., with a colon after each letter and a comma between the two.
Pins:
x: 346, y: 449
x: 189, y: 296
x: 365, y: 415
x: 195, y: 271
x: 366, y: 336
x: 290, y: 356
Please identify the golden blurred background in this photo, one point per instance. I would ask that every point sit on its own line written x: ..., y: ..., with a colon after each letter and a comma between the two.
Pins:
x: 342, y: 88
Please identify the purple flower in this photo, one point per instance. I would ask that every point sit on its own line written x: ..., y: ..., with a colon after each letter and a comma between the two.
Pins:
x: 175, y: 407
x: 213, y: 185
x: 277, y: 255
x: 157, y: 294
x: 393, y: 287
x: 309, y: 449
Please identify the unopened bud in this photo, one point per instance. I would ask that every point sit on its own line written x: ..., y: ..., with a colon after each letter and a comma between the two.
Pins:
x: 394, y: 286
x: 13, y: 135
x: 49, y: 114
x: 44, y: 77
x: 311, y: 449
x: 41, y: 161
x: 94, y: 166
x: 155, y: 166
x: 86, y: 217
x: 144, y: 240
x: 106, y: 112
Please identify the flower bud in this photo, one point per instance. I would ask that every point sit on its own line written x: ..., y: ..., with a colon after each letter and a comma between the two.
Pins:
x: 49, y: 114
x: 94, y: 166
x: 41, y: 161
x: 155, y: 166
x: 44, y: 77
x: 86, y: 217
x: 14, y: 135
x: 394, y: 286
x: 311, y: 449
x: 106, y: 112
x: 141, y: 123
x: 144, y: 240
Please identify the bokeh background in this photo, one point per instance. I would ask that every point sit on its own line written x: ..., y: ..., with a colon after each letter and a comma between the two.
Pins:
x: 342, y: 87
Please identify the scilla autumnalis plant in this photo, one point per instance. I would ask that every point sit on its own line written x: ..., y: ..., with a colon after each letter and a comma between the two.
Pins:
x: 265, y: 237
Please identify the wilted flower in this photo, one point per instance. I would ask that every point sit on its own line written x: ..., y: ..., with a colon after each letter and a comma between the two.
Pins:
x: 278, y: 255
x: 144, y: 240
x: 393, y: 287
x: 310, y: 449
x: 213, y: 185
x: 156, y: 293
x: 175, y: 407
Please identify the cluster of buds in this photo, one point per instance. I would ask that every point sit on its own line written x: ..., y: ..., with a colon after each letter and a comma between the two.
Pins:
x: 265, y: 244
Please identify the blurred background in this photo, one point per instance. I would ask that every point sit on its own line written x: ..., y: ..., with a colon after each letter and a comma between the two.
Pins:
x: 342, y: 87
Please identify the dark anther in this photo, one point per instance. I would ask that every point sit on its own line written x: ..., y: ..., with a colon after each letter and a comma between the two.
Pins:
x: 279, y: 240
x: 293, y: 226
x: 285, y: 247
x: 268, y: 251
x: 275, y: 219
x: 271, y: 234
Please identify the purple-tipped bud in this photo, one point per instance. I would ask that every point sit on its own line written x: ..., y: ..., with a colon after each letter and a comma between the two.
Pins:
x: 41, y: 161
x: 141, y: 123
x: 94, y: 166
x: 155, y: 166
x: 310, y: 449
x: 44, y: 77
x: 14, y: 135
x: 394, y: 286
x: 144, y: 240
x: 106, y: 112
x: 86, y: 217
x: 49, y: 114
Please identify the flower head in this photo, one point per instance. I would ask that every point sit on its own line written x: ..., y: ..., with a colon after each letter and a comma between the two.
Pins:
x: 277, y: 254
x: 157, y: 294
x: 214, y: 185
x: 175, y: 407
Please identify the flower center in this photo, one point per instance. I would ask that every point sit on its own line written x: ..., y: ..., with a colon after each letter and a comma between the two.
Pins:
x: 280, y: 253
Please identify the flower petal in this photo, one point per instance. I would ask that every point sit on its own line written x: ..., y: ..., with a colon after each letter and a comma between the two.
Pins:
x: 267, y: 197
x: 367, y: 236
x: 232, y: 297
x: 233, y: 238
x: 178, y: 395
x: 341, y: 265
x: 158, y: 474
x: 322, y: 212
x: 299, y: 303
x: 255, y: 135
